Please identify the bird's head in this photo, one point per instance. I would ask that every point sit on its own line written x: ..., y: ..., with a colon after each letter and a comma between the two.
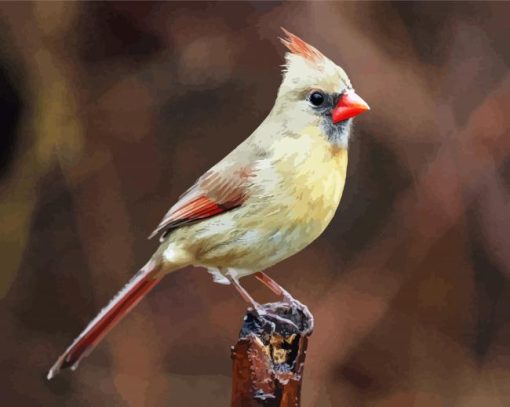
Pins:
x: 316, y: 91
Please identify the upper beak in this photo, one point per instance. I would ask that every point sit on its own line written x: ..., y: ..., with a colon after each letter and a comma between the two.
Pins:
x: 349, y: 105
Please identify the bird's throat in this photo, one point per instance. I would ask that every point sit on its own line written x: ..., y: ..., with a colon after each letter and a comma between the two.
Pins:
x: 337, y: 134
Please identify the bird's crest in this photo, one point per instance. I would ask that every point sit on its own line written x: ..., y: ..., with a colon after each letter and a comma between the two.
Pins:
x: 299, y: 47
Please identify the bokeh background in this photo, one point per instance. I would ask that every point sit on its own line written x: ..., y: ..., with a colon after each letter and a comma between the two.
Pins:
x: 108, y: 111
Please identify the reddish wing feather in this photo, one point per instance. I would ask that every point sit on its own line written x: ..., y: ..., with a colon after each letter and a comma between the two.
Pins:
x: 199, y: 208
x: 211, y: 195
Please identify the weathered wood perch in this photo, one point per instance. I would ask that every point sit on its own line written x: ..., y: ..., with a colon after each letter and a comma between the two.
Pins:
x: 269, y: 357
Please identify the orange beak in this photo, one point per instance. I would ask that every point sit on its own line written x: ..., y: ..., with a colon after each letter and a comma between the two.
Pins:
x: 349, y: 105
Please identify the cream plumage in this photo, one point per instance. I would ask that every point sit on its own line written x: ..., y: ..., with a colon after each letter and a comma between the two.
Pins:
x: 265, y: 201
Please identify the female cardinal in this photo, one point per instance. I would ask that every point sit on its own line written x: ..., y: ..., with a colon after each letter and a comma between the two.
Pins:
x: 265, y: 201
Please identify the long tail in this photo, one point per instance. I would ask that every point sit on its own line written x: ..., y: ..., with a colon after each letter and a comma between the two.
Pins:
x: 119, y: 307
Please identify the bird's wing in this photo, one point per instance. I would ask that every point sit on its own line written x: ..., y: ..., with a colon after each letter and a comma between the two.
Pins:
x: 213, y: 193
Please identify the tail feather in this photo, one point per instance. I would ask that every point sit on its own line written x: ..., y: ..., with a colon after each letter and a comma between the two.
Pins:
x: 109, y: 316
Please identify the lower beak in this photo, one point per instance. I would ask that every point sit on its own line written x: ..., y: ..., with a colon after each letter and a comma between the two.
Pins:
x: 349, y: 105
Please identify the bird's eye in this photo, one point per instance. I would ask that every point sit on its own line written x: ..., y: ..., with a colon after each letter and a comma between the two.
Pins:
x: 316, y: 98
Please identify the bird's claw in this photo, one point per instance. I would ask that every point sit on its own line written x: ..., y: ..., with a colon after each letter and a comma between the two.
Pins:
x: 295, y: 304
x: 273, y: 317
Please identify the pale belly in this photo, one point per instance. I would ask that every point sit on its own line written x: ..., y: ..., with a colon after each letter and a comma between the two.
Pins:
x: 277, y: 225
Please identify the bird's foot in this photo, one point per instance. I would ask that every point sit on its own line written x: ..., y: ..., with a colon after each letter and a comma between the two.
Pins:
x: 300, y: 307
x: 291, y: 317
x: 286, y: 297
x: 268, y: 314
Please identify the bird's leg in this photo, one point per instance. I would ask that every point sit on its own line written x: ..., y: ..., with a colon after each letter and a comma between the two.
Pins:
x: 275, y: 287
x: 259, y: 309
x: 244, y: 294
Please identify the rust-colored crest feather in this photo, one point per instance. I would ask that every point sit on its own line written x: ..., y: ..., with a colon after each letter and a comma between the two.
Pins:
x: 299, y: 47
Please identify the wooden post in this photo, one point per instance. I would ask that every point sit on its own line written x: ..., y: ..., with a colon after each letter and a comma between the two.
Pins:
x: 269, y: 357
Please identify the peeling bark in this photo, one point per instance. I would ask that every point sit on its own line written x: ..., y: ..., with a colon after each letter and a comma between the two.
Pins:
x: 269, y: 357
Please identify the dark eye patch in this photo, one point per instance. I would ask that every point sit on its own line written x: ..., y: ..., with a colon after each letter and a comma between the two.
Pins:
x: 321, y: 101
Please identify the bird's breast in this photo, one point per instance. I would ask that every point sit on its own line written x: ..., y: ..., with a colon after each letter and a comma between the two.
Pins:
x: 293, y: 197
x: 304, y: 180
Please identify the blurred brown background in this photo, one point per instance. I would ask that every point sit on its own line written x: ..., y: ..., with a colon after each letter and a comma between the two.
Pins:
x: 108, y: 111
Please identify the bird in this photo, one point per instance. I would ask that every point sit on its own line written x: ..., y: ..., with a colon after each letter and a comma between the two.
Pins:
x: 268, y: 199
